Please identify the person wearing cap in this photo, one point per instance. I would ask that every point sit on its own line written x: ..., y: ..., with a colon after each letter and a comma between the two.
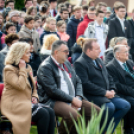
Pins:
x: 14, y: 18
x: 53, y: 5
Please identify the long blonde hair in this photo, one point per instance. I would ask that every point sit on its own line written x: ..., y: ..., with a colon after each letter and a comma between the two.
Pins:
x: 16, y: 52
x: 80, y: 41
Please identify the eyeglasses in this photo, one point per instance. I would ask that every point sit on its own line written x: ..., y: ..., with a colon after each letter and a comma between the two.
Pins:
x: 65, y: 51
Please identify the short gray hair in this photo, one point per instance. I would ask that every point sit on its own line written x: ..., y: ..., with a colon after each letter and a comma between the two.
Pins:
x: 117, y: 48
x: 56, y: 45
x: 119, y: 40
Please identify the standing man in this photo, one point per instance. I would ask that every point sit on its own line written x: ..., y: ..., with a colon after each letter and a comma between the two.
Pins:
x: 87, y: 19
x: 53, y: 5
x: 98, y: 85
x: 72, y: 25
x: 98, y: 30
x: 118, y: 26
x: 122, y: 71
x: 60, y: 88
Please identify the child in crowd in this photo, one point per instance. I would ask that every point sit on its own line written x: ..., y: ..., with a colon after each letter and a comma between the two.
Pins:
x: 28, y: 30
x: 49, y: 28
x: 32, y: 11
x: 10, y: 3
x: 37, y: 25
x: 10, y: 28
x: 61, y: 28
x: 22, y: 17
x: 1, y: 21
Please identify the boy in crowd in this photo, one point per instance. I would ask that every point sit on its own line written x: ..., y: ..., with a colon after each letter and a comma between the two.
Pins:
x: 49, y: 28
x: 28, y: 30
x: 10, y: 3
x: 72, y: 25
x: 53, y: 5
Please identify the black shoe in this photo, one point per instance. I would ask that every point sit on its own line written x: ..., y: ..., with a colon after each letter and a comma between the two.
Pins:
x: 129, y: 131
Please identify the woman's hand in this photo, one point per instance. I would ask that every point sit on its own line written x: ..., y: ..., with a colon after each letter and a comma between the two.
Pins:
x: 34, y: 100
x: 22, y: 64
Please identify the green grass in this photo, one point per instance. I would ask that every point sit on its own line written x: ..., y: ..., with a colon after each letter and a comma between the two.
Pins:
x: 34, y: 130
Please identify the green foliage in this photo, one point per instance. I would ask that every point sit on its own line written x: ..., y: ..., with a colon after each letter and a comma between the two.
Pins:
x: 19, y: 4
x: 93, y: 126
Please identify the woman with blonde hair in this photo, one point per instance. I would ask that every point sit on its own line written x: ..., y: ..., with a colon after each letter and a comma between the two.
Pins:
x: 20, y: 90
x: 77, y: 48
x: 47, y: 44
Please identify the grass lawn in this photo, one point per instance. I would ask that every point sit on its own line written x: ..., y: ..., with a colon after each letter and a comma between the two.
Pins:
x: 34, y: 130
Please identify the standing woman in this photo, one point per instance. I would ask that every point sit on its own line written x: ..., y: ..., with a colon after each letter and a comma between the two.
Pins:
x: 20, y: 90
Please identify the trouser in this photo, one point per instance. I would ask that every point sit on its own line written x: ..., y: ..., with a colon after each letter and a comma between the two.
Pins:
x: 65, y: 111
x: 45, y: 120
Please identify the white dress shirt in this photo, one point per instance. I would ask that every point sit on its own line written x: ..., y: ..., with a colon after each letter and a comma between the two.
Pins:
x: 63, y: 85
x: 122, y: 23
x: 121, y: 64
x: 100, y: 37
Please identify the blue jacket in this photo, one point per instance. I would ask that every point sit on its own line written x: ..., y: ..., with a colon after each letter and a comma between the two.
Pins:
x: 72, y: 30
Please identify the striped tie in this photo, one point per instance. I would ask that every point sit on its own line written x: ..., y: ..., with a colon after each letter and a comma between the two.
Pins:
x: 127, y: 70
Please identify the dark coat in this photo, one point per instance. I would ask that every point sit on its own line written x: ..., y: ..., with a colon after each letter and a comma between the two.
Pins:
x: 0, y: 40
x: 118, y: 74
x: 109, y: 56
x: 49, y: 83
x: 76, y: 52
x: 115, y: 30
x: 72, y: 30
x: 95, y: 80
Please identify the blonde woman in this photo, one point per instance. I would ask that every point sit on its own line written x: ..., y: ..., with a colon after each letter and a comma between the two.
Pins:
x: 20, y: 90
x: 47, y: 44
x: 77, y: 48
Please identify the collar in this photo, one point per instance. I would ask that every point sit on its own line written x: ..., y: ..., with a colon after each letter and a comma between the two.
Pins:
x: 120, y: 19
x: 54, y: 60
x: 97, y: 25
x: 120, y: 62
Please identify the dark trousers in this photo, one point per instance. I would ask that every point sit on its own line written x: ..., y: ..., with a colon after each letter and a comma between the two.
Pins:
x: 117, y: 109
x: 129, y: 117
x: 65, y: 111
x: 45, y: 119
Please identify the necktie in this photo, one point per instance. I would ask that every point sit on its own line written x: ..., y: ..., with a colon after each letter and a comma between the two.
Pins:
x: 69, y: 84
x: 95, y: 63
x: 127, y: 70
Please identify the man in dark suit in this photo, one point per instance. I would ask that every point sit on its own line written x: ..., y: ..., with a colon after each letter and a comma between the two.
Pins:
x: 122, y: 71
x: 60, y: 87
x: 98, y: 85
x: 118, y: 26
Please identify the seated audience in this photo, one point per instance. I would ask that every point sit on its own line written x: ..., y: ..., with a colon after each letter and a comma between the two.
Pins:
x: 98, y: 30
x: 98, y: 85
x: 49, y: 28
x: 109, y: 55
x: 27, y: 30
x: 20, y: 90
x: 61, y: 30
x: 60, y: 87
x: 122, y: 71
x: 9, y: 40
x: 47, y: 46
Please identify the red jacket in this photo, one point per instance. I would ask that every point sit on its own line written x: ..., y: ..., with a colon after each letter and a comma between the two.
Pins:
x: 82, y: 26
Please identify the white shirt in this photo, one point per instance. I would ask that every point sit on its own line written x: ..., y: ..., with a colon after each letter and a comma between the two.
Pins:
x: 122, y: 23
x: 52, y: 12
x: 63, y: 85
x: 121, y: 64
x: 100, y: 37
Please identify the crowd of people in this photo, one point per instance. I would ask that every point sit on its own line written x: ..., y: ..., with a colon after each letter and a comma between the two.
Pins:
x: 58, y: 59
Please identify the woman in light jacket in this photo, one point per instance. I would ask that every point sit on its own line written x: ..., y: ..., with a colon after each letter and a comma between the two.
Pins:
x: 20, y: 90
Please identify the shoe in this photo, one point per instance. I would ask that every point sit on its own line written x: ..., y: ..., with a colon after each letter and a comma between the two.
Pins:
x: 129, y: 131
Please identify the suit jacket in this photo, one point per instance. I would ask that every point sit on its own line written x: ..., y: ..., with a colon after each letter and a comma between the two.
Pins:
x: 115, y: 30
x: 118, y: 74
x: 95, y: 80
x: 48, y: 79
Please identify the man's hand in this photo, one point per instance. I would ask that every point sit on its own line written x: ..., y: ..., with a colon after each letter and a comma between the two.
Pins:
x: 76, y: 103
x: 110, y: 94
x: 34, y: 100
